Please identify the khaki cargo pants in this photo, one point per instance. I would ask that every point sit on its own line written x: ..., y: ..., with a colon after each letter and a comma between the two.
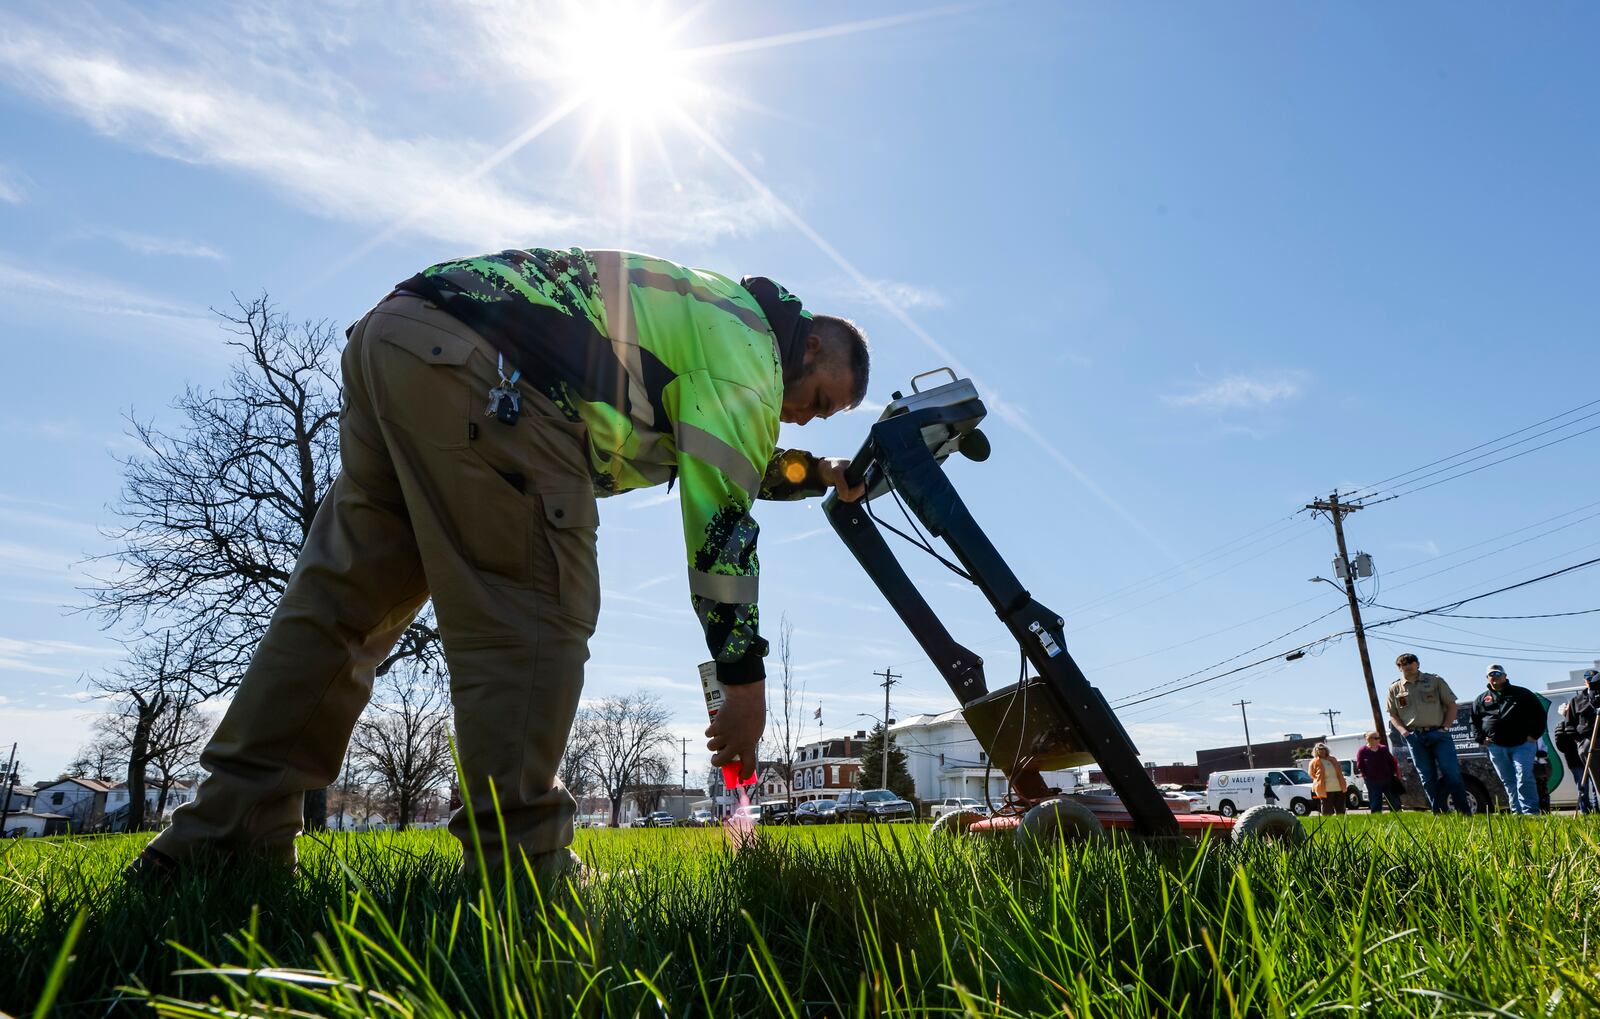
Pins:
x: 496, y: 523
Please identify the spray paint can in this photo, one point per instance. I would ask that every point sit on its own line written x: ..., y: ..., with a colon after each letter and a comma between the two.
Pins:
x: 715, y: 697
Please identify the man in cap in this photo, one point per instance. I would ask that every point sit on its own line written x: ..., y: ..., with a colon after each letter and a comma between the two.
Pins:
x: 1575, y: 738
x: 1423, y: 708
x: 488, y: 402
x: 1508, y: 720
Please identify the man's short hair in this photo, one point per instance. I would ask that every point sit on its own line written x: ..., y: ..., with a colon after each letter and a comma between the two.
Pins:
x: 1406, y: 658
x: 1373, y: 735
x: 845, y: 341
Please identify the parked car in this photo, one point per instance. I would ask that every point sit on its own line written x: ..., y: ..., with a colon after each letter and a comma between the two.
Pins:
x: 659, y: 819
x: 873, y: 805
x: 779, y: 812
x: 701, y: 818
x: 747, y: 814
x: 1231, y: 793
x: 816, y: 812
x: 951, y: 804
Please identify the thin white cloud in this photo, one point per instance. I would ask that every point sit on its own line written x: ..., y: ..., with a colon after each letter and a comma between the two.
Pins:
x: 661, y: 498
x: 803, y: 535
x: 145, y: 244
x: 11, y: 191
x: 47, y: 657
x: 906, y: 295
x: 18, y: 559
x: 1429, y: 547
x: 217, y: 93
x: 1240, y: 392
x: 76, y: 291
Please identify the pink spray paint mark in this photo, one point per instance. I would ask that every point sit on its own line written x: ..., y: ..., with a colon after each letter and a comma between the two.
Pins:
x: 740, y: 828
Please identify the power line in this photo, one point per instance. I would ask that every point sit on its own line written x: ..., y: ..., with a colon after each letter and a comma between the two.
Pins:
x: 1505, y: 646
x: 1126, y: 701
x: 1525, y: 645
x: 1492, y: 463
x: 1320, y: 641
x: 1478, y: 597
x: 1203, y: 580
x: 1222, y: 551
x: 1371, y: 490
x: 1416, y: 643
x: 1537, y: 615
x: 1222, y: 675
x: 1496, y: 551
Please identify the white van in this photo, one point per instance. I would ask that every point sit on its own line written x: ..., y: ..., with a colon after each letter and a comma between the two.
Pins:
x: 1231, y: 793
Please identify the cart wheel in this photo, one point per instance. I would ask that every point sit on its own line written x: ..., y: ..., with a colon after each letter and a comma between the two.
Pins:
x: 1064, y: 819
x: 954, y: 823
x: 1267, y: 823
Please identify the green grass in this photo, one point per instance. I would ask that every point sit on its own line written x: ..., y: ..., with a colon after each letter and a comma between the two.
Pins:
x: 1384, y: 916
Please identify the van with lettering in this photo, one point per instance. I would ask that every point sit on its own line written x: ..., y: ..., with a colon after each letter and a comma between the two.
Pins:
x: 1231, y: 793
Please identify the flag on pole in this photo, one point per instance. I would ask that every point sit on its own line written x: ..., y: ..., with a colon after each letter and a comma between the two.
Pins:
x: 818, y: 713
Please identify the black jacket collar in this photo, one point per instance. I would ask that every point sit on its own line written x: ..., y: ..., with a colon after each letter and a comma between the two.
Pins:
x: 786, y: 317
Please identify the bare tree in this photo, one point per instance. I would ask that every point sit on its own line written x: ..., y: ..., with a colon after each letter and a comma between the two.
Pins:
x: 403, y: 740
x: 784, y: 721
x: 152, y: 717
x: 175, y: 746
x: 100, y: 759
x: 626, y: 736
x: 215, y: 511
x: 575, y: 773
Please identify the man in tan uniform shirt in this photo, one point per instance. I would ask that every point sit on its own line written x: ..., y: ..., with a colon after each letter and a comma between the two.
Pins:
x: 1423, y: 708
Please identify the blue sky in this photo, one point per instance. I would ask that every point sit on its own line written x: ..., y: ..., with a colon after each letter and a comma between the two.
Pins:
x: 1208, y: 262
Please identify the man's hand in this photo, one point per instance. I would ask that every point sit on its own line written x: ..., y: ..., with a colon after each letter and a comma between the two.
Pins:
x: 832, y: 469
x: 736, y: 731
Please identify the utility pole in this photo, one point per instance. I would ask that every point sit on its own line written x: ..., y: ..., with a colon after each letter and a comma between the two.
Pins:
x: 683, y: 783
x: 1330, y: 713
x: 1249, y: 751
x: 8, y: 778
x: 889, y: 679
x: 1336, y: 512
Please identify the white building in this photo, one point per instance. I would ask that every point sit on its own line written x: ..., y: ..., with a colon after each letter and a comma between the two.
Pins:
x: 31, y: 825
x: 180, y: 792
x: 81, y: 800
x: 945, y: 759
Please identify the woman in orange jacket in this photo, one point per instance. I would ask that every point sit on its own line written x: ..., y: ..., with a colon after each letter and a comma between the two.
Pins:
x: 1328, y: 784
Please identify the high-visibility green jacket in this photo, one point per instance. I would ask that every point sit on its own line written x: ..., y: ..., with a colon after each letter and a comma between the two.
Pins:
x: 676, y: 373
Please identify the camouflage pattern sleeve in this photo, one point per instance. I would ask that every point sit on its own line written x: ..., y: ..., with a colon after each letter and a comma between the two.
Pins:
x: 725, y: 435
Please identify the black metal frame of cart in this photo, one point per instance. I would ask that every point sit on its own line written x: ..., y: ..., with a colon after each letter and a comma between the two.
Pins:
x: 1053, y: 719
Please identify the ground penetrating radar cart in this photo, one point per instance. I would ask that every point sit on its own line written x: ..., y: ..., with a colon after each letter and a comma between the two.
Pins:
x: 1048, y: 720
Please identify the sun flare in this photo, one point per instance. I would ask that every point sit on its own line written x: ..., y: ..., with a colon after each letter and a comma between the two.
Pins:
x: 625, y: 62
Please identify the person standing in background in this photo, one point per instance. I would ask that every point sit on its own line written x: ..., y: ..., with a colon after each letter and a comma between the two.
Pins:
x: 1423, y: 708
x: 1328, y: 783
x: 1381, y: 772
x: 1574, y: 737
x: 1508, y: 721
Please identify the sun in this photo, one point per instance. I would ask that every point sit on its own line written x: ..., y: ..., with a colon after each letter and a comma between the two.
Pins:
x: 624, y: 61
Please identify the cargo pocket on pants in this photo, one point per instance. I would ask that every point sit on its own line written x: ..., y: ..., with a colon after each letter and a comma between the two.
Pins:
x: 496, y: 523
x: 572, y: 520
